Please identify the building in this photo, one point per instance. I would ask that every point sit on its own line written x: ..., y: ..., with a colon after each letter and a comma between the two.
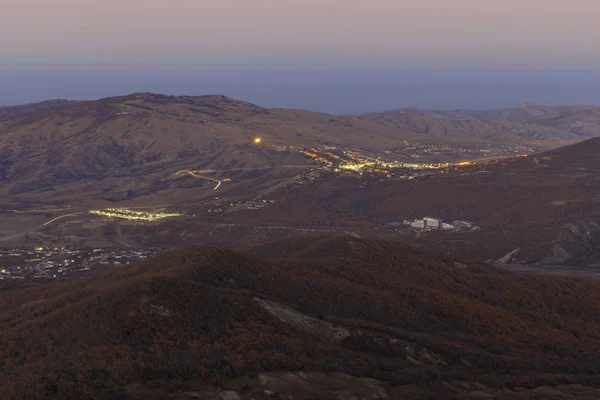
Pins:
x: 418, y: 224
x: 432, y: 222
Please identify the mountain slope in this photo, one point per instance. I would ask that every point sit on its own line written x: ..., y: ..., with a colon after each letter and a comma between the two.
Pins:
x: 367, y: 308
x: 547, y: 205
x: 507, y: 114
x: 125, y: 147
x: 134, y: 143
x: 584, y: 123
x: 27, y: 108
x: 473, y: 128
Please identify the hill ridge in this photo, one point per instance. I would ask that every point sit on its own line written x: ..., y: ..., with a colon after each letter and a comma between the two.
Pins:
x: 395, y: 314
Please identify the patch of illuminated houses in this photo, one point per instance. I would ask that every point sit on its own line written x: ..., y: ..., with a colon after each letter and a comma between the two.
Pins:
x: 356, y: 162
x: 353, y: 161
x: 57, y: 263
x: 124, y: 213
x: 244, y: 205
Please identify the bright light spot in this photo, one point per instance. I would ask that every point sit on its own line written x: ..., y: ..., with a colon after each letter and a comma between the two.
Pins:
x: 257, y: 140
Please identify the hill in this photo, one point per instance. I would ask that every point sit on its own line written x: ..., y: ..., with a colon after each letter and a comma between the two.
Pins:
x: 204, y: 316
x: 541, y: 122
x: 61, y: 162
x: 506, y: 114
x: 126, y: 147
x: 545, y: 206
x: 123, y: 147
x: 476, y: 128
x: 585, y: 123
x: 32, y: 107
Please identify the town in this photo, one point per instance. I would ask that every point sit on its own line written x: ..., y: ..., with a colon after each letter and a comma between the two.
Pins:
x: 57, y: 263
x: 403, y: 164
x: 228, y: 206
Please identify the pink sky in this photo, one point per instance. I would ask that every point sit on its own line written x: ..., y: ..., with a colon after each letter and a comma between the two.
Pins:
x: 357, y: 33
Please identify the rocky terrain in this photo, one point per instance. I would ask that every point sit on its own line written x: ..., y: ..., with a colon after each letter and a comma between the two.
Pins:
x: 315, y: 317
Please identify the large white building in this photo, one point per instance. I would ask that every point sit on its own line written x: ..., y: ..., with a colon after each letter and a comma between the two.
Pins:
x: 418, y: 224
x: 432, y: 222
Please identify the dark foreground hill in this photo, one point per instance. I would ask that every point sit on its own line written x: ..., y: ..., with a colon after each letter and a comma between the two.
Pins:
x: 299, y: 319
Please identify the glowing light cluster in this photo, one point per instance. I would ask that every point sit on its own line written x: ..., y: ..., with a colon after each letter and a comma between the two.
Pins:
x: 353, y: 167
x: 131, y: 215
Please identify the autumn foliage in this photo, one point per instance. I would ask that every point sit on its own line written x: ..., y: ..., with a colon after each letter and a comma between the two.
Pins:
x: 192, y: 314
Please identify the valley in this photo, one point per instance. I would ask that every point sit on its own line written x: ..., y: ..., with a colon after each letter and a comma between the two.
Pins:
x: 145, y: 170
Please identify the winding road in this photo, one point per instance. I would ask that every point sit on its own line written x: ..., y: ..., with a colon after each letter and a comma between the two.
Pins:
x: 195, y: 175
x: 62, y: 216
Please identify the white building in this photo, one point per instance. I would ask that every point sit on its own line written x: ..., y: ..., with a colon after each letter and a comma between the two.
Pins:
x: 418, y: 224
x: 432, y: 222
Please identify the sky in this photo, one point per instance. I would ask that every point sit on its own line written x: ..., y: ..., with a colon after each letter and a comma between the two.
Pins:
x: 158, y: 39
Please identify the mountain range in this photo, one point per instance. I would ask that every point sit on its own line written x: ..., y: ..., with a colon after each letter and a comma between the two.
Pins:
x: 129, y: 144
x: 293, y: 277
x: 69, y: 157
x: 524, y: 113
x: 123, y: 147
x: 566, y: 122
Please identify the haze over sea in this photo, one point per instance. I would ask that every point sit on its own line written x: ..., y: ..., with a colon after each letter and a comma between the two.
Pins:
x: 337, y: 91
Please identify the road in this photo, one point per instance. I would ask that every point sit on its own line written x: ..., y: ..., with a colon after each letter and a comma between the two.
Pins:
x: 59, y: 217
x: 195, y: 175
x: 31, y: 232
x: 38, y: 267
x: 538, y: 163
x: 207, y: 171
